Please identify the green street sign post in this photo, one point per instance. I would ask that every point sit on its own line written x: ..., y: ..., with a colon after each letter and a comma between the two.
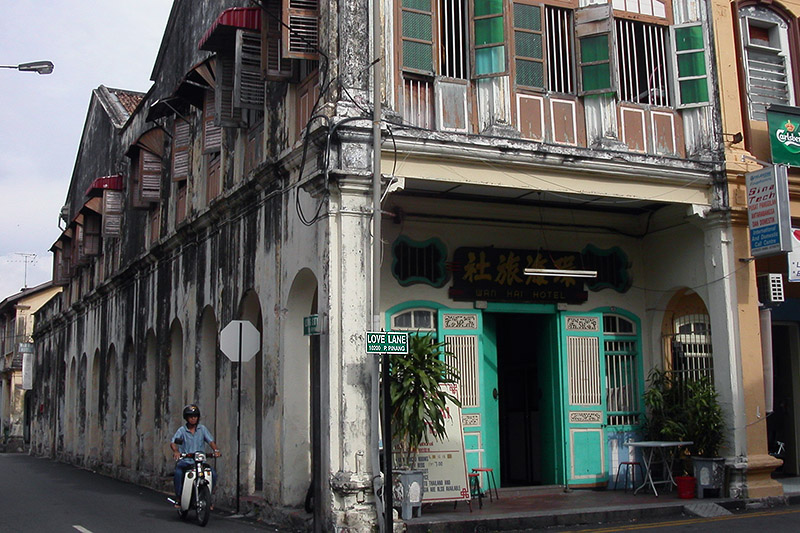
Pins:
x: 387, y: 342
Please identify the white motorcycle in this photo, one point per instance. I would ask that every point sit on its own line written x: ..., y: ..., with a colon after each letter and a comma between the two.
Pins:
x: 198, y: 483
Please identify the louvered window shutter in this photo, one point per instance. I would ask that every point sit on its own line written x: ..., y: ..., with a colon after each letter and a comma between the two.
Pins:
x: 301, y: 38
x: 212, y: 133
x: 275, y: 65
x: 91, y: 234
x: 248, y: 85
x: 112, y: 213
x: 151, y: 176
x: 60, y: 267
x: 226, y: 113
x: 417, y: 21
x: 529, y: 45
x: 180, y: 149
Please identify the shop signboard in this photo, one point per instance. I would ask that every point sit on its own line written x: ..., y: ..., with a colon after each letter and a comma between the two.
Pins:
x: 783, y: 124
x: 768, y: 212
x: 793, y: 257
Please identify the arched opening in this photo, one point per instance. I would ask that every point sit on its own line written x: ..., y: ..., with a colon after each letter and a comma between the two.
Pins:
x: 252, y: 399
x: 70, y: 405
x: 93, y: 400
x: 177, y: 396
x: 296, y: 388
x: 147, y: 413
x: 110, y: 394
x: 686, y: 337
x: 207, y: 370
x: 81, y: 417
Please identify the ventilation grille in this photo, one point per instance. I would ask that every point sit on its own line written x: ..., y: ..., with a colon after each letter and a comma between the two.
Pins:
x: 770, y: 288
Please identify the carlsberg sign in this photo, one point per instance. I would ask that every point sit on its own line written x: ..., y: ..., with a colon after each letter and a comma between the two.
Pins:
x: 784, y: 134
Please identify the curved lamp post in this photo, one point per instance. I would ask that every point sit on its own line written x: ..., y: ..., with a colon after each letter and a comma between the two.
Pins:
x: 41, y: 67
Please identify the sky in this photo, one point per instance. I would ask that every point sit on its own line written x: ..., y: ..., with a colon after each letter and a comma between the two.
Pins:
x: 42, y: 116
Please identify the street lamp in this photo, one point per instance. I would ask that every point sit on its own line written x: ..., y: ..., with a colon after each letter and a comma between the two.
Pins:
x: 42, y: 67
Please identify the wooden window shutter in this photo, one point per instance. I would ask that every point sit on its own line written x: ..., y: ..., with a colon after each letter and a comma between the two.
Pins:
x: 91, y: 234
x: 223, y: 111
x: 112, y: 213
x: 275, y: 66
x: 301, y: 38
x: 417, y: 36
x: 135, y: 181
x: 248, y: 85
x: 61, y: 266
x: 212, y: 133
x: 489, y: 43
x: 690, y: 65
x: 594, y: 28
x: 529, y: 46
x: 180, y: 149
x: 151, y: 176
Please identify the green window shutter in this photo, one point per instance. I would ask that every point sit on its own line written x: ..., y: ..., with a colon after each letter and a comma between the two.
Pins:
x: 595, y: 64
x: 529, y: 45
x: 690, y: 65
x: 417, y: 22
x: 489, y: 42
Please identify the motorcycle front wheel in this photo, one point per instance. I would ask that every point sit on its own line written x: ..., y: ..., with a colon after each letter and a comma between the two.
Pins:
x: 203, y: 504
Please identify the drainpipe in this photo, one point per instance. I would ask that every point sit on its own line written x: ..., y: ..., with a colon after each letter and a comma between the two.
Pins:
x: 376, y: 259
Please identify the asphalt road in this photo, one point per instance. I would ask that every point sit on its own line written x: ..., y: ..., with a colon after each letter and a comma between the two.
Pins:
x: 43, y: 495
x: 776, y: 520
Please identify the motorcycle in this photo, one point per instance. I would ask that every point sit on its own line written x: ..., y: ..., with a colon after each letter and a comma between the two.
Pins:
x: 198, y: 483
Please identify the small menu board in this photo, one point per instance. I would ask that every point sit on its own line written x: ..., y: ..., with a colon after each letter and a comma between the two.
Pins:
x: 443, y: 462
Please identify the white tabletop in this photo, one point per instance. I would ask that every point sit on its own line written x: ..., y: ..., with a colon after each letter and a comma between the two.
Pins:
x: 658, y: 444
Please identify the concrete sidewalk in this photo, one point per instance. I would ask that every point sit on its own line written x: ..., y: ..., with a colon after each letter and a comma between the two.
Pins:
x: 542, y: 507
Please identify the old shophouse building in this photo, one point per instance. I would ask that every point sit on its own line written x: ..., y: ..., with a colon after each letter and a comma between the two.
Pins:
x: 558, y: 137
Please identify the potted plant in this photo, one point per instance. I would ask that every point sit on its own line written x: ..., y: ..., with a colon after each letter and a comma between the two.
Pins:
x: 705, y: 427
x: 688, y: 411
x: 418, y: 404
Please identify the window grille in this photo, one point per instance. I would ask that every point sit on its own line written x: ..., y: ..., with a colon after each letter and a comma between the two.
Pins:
x: 418, y: 107
x: 622, y: 371
x: 642, y: 60
x: 559, y: 46
x: 422, y: 320
x: 690, y: 348
x: 453, y: 35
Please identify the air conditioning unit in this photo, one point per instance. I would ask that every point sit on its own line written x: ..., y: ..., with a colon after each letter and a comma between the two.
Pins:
x: 770, y: 288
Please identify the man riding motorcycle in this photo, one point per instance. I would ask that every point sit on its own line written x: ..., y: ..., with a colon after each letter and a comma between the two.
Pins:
x: 190, y: 438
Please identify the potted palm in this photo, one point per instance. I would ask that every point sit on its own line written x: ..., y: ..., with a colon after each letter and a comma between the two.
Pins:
x: 688, y: 411
x: 418, y: 406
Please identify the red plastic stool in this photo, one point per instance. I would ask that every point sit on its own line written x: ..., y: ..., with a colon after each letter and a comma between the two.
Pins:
x: 490, y: 481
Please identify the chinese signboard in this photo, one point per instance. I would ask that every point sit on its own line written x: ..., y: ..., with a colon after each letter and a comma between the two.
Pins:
x: 768, y: 211
x: 783, y: 123
x: 497, y: 274
x: 443, y: 463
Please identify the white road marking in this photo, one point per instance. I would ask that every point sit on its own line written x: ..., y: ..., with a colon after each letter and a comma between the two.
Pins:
x: 82, y: 529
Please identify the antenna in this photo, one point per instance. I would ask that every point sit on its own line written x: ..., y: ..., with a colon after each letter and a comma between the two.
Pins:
x: 26, y: 258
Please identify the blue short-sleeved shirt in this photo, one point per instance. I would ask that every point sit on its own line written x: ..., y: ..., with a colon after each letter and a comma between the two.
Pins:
x: 193, y: 442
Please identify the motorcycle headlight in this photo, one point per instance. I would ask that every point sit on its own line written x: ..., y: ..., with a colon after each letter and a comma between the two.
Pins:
x: 200, y: 457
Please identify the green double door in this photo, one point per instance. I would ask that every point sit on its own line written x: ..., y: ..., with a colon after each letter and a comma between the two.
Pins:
x: 531, y: 389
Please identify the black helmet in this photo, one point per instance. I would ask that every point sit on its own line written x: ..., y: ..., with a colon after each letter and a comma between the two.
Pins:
x: 191, y: 410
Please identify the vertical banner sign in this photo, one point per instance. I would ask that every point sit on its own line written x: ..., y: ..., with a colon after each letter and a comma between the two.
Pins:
x: 26, y: 349
x: 768, y: 211
x: 783, y: 123
x: 793, y: 257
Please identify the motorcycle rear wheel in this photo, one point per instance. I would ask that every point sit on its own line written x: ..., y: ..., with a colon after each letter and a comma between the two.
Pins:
x: 203, y: 504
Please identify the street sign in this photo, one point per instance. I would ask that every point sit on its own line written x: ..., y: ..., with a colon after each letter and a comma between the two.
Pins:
x: 312, y: 325
x: 239, y: 337
x: 387, y: 342
x: 25, y: 347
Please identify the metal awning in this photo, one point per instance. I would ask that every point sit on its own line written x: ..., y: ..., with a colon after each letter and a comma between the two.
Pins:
x: 223, y: 30
x: 114, y: 182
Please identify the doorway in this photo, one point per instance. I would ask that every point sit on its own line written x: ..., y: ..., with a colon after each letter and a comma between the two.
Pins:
x: 525, y: 391
x: 781, y: 423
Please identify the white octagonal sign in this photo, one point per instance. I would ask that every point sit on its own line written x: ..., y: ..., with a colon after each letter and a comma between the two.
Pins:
x: 239, y: 337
